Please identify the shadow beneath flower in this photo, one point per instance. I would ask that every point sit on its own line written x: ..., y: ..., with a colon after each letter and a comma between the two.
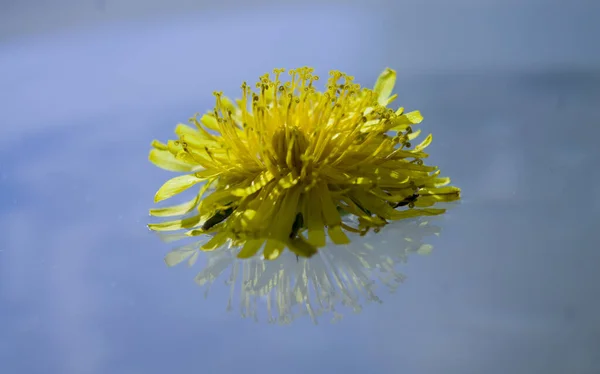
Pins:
x: 335, y: 280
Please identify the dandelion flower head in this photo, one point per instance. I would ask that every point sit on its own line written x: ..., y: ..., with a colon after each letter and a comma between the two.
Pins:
x: 289, y: 166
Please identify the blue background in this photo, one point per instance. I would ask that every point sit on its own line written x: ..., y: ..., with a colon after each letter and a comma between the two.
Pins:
x: 509, y: 89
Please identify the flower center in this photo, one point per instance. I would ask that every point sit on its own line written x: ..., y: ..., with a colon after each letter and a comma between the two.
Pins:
x: 289, y: 145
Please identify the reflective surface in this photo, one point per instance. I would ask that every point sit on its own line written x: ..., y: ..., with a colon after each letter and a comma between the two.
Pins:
x: 511, y: 283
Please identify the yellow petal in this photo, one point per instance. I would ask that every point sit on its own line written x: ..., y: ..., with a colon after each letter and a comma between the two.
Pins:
x: 216, y: 241
x: 448, y: 190
x: 331, y: 216
x: 210, y: 121
x: 202, y: 133
x: 390, y: 99
x: 414, y: 134
x: 403, y: 153
x: 176, y: 185
x: 412, y: 213
x: 177, y: 224
x: 392, y: 198
x: 159, y: 145
x: 424, y: 144
x: 402, y: 122
x: 207, y: 173
x: 215, y: 200
x: 227, y: 103
x: 186, y: 158
x: 197, y: 138
x: 427, y: 201
x: 273, y: 249
x: 385, y: 85
x: 337, y: 235
x: 250, y: 248
x: 431, y: 196
x: 286, y: 215
x: 301, y: 247
x: 174, y: 146
x: 437, y: 182
x: 414, y: 117
x: 258, y: 183
x: 316, y: 229
x: 183, y: 129
x: 175, y: 210
x: 166, y: 160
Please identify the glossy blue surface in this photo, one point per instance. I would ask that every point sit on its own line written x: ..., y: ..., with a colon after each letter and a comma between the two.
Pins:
x: 510, y: 93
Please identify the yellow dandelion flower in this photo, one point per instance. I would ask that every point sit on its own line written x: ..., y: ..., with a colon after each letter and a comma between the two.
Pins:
x: 279, y: 167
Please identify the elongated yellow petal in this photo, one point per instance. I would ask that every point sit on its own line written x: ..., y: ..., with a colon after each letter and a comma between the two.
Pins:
x: 282, y: 226
x: 159, y: 145
x: 301, y: 247
x: 430, y: 200
x: 412, y: 213
x: 393, y: 198
x: 430, y: 196
x: 216, y: 241
x: 176, y: 210
x: 177, y: 224
x: 385, y: 85
x: 260, y: 181
x: 166, y: 160
x: 228, y: 104
x: 331, y: 216
x: 174, y: 146
x: 390, y: 99
x: 196, y: 138
x: 316, y: 230
x: 210, y: 122
x: 208, y: 173
x: 424, y: 144
x: 414, y: 135
x: 215, y: 200
x: 183, y: 129
x: 273, y: 249
x: 250, y: 248
x: 438, y: 182
x: 402, y: 122
x: 337, y: 235
x: 176, y: 185
x: 436, y: 191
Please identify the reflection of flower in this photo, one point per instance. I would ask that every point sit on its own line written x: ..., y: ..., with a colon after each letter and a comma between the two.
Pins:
x: 337, y: 277
x: 282, y: 165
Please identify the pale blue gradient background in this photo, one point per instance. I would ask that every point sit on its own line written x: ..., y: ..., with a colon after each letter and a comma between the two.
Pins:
x: 509, y: 89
